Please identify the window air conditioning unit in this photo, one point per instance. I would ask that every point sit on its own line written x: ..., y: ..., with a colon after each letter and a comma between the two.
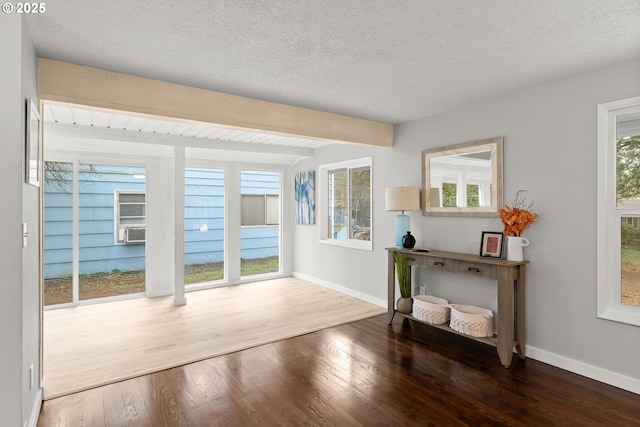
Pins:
x: 134, y: 235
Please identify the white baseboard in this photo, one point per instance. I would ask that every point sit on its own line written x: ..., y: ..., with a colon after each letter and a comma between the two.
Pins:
x: 599, y: 374
x: 347, y: 291
x: 562, y: 362
x: 35, y: 411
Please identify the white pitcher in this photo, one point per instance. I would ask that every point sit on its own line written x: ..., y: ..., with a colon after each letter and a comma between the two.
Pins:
x: 514, y: 247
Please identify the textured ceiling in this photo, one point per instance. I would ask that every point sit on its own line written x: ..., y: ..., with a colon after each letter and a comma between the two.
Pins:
x: 385, y: 60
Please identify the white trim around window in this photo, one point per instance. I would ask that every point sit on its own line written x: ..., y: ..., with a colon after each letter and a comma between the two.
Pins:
x: 609, y: 293
x: 130, y: 216
x: 324, y: 171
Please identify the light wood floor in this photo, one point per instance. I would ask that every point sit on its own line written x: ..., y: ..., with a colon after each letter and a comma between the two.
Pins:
x: 93, y: 345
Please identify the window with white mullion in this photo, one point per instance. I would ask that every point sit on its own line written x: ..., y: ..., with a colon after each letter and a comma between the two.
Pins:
x: 626, y: 287
x: 360, y: 203
x: 345, y: 203
x: 272, y: 210
x: 260, y: 209
x: 618, y: 197
x: 338, y: 204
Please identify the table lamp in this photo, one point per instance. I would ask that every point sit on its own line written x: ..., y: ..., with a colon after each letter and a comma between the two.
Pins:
x: 402, y: 199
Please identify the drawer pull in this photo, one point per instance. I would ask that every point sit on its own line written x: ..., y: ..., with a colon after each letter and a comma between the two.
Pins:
x: 474, y: 269
x: 410, y: 259
x: 439, y: 263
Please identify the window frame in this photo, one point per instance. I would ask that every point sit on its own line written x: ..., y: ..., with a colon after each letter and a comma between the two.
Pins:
x: 609, y: 286
x: 323, y: 202
x: 275, y: 198
x: 118, y: 216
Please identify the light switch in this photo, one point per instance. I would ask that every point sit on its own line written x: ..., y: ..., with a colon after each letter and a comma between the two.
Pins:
x: 25, y: 234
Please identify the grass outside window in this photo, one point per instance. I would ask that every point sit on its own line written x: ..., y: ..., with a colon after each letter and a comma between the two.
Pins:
x: 116, y: 282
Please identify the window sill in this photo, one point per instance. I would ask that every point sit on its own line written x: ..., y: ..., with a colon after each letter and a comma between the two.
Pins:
x: 363, y: 245
x: 621, y: 313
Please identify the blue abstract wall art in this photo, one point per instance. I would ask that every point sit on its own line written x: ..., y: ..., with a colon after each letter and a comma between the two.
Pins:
x: 305, y: 198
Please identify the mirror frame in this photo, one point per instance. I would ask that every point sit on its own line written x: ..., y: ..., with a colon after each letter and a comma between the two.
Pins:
x: 490, y: 144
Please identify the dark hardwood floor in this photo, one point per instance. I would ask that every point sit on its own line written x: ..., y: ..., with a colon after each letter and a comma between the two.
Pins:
x: 363, y: 373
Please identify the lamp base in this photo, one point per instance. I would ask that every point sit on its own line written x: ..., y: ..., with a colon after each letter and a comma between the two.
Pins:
x: 403, y: 224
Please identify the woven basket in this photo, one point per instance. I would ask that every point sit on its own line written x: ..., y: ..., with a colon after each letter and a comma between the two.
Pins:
x: 471, y: 320
x: 431, y: 309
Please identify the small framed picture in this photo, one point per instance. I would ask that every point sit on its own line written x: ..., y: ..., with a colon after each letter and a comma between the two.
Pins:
x: 491, y: 244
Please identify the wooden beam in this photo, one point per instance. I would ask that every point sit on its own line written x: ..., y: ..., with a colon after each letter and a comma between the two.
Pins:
x: 93, y: 87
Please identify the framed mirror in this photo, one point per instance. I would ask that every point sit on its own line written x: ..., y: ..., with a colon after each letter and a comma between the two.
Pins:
x: 463, y: 179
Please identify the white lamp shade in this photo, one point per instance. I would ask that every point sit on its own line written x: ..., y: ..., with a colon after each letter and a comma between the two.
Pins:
x: 402, y: 199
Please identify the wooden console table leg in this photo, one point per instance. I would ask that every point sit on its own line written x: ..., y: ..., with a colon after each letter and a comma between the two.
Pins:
x: 521, y: 292
x: 391, y: 286
x: 506, y: 277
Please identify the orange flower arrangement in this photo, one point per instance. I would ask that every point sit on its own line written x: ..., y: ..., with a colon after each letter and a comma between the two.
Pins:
x: 518, y: 216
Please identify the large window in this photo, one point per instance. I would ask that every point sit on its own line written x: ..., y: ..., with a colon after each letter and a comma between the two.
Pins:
x: 346, y: 203
x: 619, y: 211
x: 85, y: 204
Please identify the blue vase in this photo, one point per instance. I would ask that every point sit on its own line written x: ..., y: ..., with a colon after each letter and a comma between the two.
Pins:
x: 408, y: 241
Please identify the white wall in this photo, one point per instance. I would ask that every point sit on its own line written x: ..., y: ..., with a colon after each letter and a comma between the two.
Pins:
x: 10, y: 219
x: 31, y: 312
x: 359, y: 270
x: 550, y: 150
x: 19, y: 305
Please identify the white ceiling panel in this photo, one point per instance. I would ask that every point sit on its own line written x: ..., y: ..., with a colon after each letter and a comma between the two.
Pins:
x: 64, y: 115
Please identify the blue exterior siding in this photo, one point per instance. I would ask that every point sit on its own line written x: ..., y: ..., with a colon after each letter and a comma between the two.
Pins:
x: 259, y: 241
x: 204, y: 219
x: 203, y: 216
x: 98, y: 252
x: 58, y: 202
x: 259, y: 182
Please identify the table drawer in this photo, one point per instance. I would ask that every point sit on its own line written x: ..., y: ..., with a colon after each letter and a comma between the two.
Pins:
x: 437, y: 263
x: 476, y: 269
x: 418, y: 261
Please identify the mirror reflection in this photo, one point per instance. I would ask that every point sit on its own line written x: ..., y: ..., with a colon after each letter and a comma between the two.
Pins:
x: 463, y: 179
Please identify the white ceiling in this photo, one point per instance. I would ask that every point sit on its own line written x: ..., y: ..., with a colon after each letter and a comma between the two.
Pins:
x: 386, y: 60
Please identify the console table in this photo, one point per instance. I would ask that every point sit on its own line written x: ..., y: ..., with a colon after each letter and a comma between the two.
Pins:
x: 510, y: 276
